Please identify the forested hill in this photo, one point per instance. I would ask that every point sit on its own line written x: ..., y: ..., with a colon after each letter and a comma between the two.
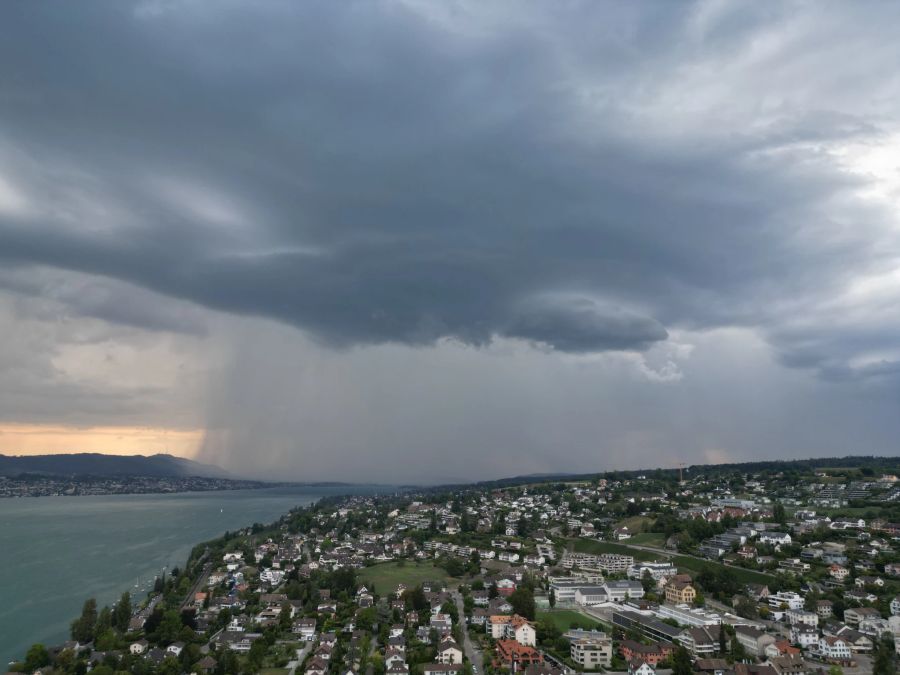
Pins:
x: 95, y: 464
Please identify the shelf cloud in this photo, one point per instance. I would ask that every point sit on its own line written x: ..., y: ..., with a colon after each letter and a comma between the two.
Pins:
x: 590, y: 185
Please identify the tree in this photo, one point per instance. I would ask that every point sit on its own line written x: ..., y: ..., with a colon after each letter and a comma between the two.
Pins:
x: 37, y: 657
x: 522, y: 601
x: 122, y: 612
x: 738, y: 653
x: 883, y: 663
x: 83, y: 627
x: 723, y: 641
x: 552, y: 598
x: 778, y: 514
x: 681, y: 662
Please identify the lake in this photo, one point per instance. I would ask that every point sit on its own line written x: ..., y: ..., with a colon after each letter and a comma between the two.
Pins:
x: 55, y: 552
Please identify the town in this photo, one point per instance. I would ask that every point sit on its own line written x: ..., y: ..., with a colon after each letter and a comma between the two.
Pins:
x: 35, y: 485
x: 767, y: 568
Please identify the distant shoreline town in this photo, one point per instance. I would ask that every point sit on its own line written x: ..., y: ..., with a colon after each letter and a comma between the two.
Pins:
x: 79, y: 486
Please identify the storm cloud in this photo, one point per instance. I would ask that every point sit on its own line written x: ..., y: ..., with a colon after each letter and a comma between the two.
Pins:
x: 591, y: 180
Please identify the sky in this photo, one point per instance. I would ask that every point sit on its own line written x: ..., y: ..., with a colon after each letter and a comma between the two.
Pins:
x: 417, y: 241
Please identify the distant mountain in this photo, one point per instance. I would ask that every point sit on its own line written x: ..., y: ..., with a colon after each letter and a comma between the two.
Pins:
x: 95, y: 464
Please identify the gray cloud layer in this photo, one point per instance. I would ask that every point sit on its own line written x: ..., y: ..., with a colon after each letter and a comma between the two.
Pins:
x: 586, y: 177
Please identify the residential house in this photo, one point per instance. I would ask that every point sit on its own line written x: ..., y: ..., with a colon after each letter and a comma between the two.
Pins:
x: 702, y: 640
x: 449, y: 652
x: 442, y: 669
x: 138, y: 647
x: 521, y: 630
x: 804, y: 635
x: 754, y: 641
x: 834, y: 649
x: 679, y: 592
x: 510, y: 654
x: 592, y: 653
x: 640, y: 667
x: 652, y: 653
x: 853, y: 615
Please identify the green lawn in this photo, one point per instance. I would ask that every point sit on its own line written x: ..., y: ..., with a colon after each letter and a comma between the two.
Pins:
x: 687, y: 563
x: 635, y: 523
x: 744, y: 576
x: 386, y: 576
x: 649, y: 539
x: 593, y: 546
x: 566, y: 619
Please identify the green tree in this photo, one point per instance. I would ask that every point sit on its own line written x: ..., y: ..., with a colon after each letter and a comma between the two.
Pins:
x: 522, y: 601
x: 122, y: 613
x: 37, y: 657
x: 778, y: 514
x: 83, y: 626
x: 681, y: 662
x: 552, y: 598
x: 883, y: 663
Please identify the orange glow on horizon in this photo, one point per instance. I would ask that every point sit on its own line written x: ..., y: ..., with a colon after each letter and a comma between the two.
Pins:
x: 54, y: 439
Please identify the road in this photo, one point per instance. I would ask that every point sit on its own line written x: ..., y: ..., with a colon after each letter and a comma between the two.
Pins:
x: 301, y: 654
x: 201, y: 580
x: 469, y: 650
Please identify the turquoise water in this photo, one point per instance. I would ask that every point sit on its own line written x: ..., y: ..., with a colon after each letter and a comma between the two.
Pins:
x: 55, y: 552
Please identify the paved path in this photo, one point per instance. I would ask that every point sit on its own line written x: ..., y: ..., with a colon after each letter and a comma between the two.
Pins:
x: 469, y: 650
x: 301, y: 654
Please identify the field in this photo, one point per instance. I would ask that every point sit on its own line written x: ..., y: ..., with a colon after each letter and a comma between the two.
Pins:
x: 744, y: 576
x: 386, y: 576
x: 685, y: 562
x: 593, y: 546
x: 635, y: 524
x: 566, y: 619
x: 657, y: 539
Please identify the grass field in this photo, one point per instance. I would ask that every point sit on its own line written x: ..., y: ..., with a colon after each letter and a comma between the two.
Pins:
x: 386, y: 576
x: 744, y: 576
x: 566, y: 619
x: 592, y: 546
x: 649, y: 539
x: 635, y: 523
x: 685, y: 562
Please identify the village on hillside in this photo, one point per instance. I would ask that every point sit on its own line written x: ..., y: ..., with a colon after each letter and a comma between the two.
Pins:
x: 764, y: 570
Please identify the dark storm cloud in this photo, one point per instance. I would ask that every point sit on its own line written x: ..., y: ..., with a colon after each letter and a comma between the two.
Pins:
x: 384, y: 172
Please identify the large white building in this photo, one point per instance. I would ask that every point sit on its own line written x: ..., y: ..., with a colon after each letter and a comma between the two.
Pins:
x: 591, y: 595
x: 592, y: 653
x: 686, y: 616
x: 657, y: 570
x: 620, y: 591
x: 834, y: 648
x: 789, y: 598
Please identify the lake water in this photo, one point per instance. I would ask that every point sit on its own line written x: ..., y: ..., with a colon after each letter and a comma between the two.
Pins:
x: 55, y: 552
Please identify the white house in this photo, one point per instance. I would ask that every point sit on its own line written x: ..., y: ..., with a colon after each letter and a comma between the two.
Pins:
x: 774, y: 538
x: 796, y: 616
x: 138, y: 647
x: 834, y: 648
x: 805, y: 636
x: 449, y: 652
x: 895, y: 606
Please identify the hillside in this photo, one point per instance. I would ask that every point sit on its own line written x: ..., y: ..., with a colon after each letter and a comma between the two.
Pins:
x: 95, y: 464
